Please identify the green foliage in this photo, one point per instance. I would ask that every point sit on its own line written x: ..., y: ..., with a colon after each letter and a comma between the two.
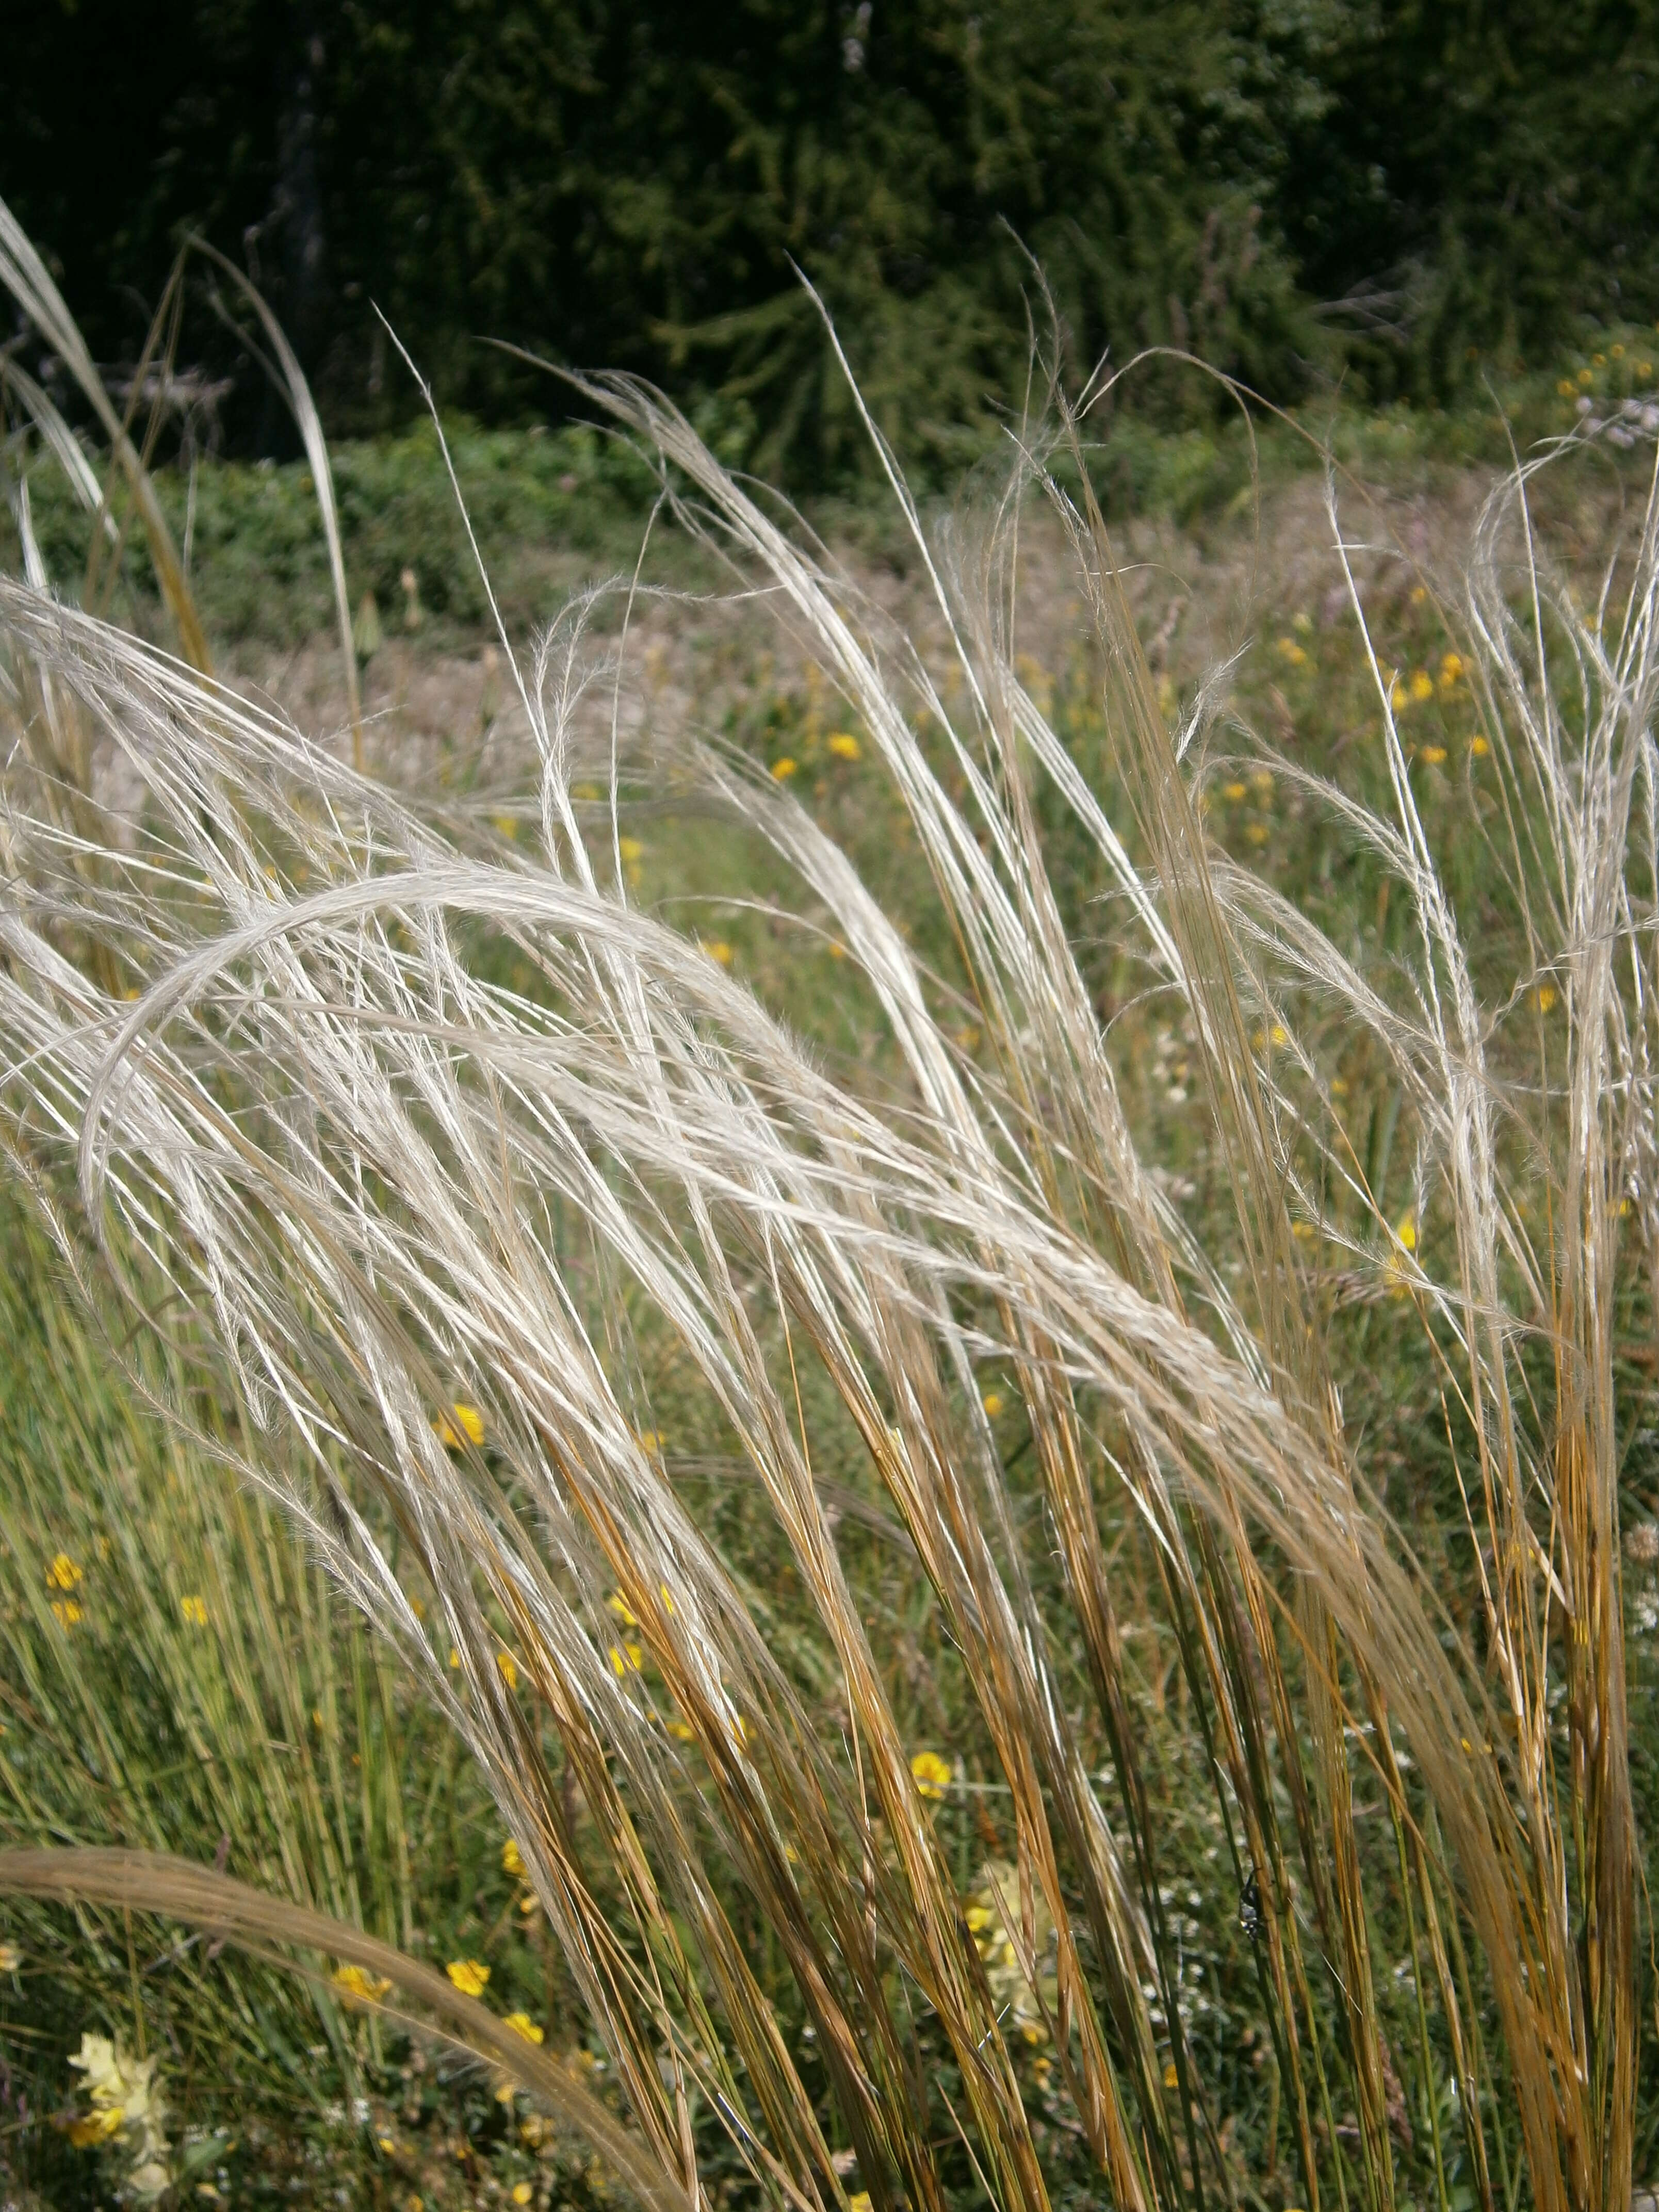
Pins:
x: 543, y: 505
x: 1288, y: 187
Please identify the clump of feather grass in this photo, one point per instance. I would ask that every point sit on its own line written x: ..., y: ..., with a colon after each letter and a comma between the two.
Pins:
x: 383, y: 1182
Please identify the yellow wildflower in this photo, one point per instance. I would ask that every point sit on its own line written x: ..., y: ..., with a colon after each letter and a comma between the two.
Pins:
x: 66, y: 1612
x: 194, y: 1611
x: 1566, y: 387
x: 1419, y: 593
x: 1257, y: 832
x: 505, y: 825
x: 1171, y: 2078
x: 619, y: 1605
x: 1399, y: 697
x: 521, y: 2023
x: 1262, y: 778
x: 507, y: 1667
x: 522, y: 2193
x: 837, y: 950
x: 469, y: 1976
x: 721, y: 950
x: 1234, y: 791
x: 455, y: 1657
x: 1452, y: 668
x: 97, y: 2127
x: 1479, y: 748
x: 992, y: 1404
x: 783, y: 768
x: 1433, y: 754
x: 631, y: 849
x: 680, y: 1731
x: 932, y: 1774
x: 627, y: 1657
x: 1546, y: 996
x: 511, y: 1859
x: 844, y: 745
x: 1291, y: 651
x: 467, y: 1424
x: 1422, y: 684
x: 62, y: 1574
x: 1405, y: 1230
x: 1586, y: 376
x: 859, y: 2201
x: 357, y: 1985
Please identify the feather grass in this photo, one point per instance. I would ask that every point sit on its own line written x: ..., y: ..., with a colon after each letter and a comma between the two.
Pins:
x: 380, y: 1182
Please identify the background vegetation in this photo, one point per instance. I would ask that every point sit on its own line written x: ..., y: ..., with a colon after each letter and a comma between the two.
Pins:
x: 1298, y: 189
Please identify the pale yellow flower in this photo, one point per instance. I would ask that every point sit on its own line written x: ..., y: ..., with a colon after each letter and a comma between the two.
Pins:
x: 62, y: 1574
x: 1405, y: 1230
x: 357, y: 1985
x: 66, y: 1612
x: 194, y: 1611
x: 721, y: 950
x: 992, y: 1404
x: 522, y: 2193
x: 627, y: 1657
x: 631, y: 850
x: 1234, y: 791
x: 784, y: 769
x: 469, y: 1976
x: 1422, y: 684
x: 507, y: 1667
x: 932, y: 1774
x: 96, y: 2127
x: 1433, y: 754
x: 1546, y: 996
x: 511, y: 1859
x: 467, y: 1422
x: 1479, y: 748
x: 845, y: 745
x: 521, y: 2023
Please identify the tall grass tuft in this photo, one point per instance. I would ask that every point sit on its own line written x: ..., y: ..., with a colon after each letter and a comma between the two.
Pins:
x: 320, y: 1138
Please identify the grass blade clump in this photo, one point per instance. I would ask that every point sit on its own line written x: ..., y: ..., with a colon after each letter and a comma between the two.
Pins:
x: 441, y: 1232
